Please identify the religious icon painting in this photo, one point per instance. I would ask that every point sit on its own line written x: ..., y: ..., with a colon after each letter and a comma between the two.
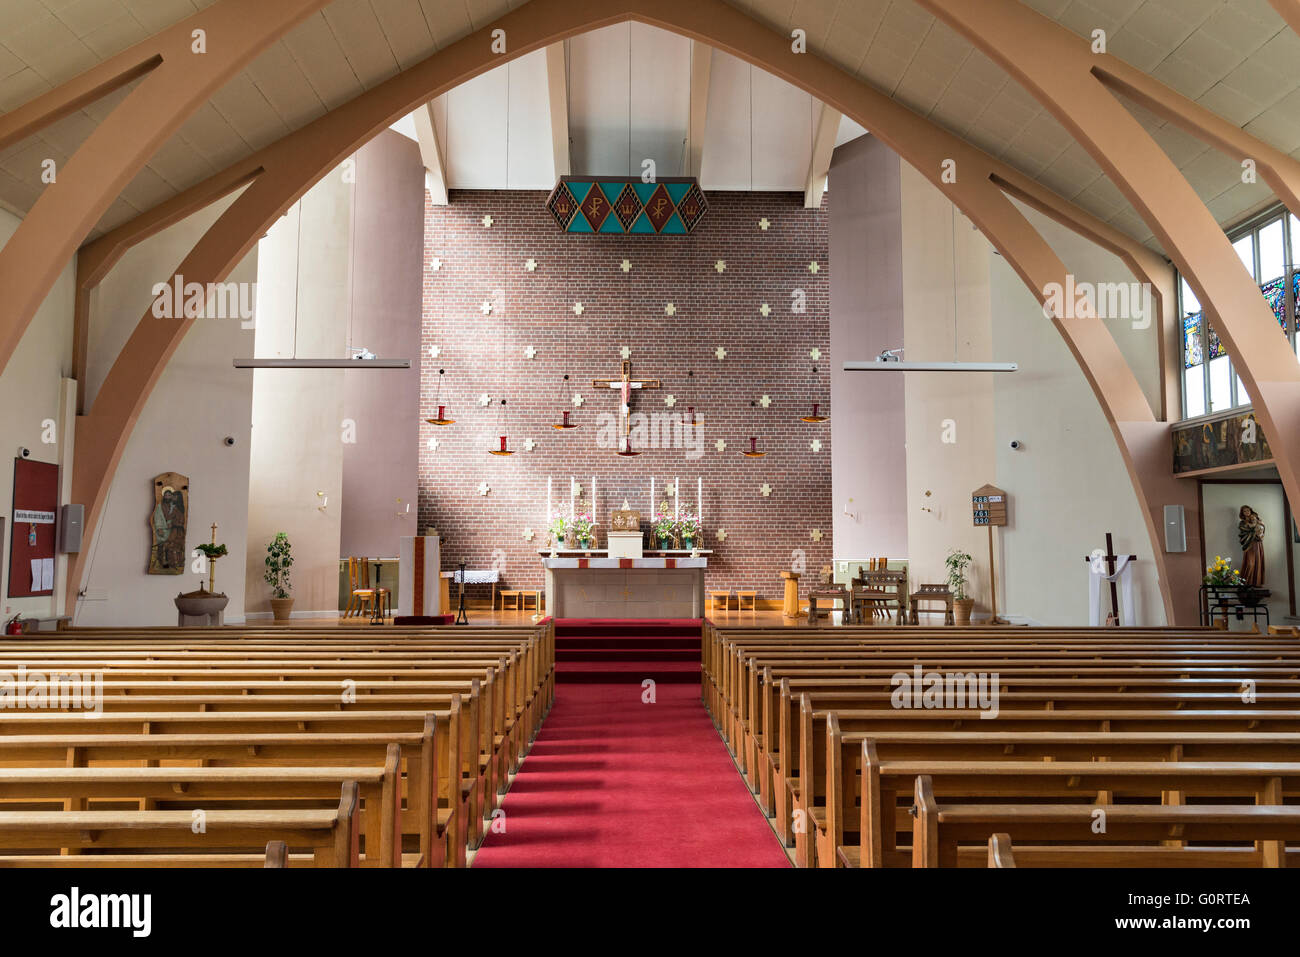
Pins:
x: 167, y: 524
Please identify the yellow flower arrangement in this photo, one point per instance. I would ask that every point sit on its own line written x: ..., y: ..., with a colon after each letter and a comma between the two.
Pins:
x: 1221, y: 574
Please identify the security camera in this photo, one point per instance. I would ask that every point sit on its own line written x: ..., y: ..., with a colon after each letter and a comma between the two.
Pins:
x: 1015, y: 444
x: 24, y: 452
x: 230, y: 440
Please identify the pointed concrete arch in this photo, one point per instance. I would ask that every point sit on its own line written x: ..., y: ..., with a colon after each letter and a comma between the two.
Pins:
x: 1059, y: 69
x: 279, y: 175
x: 174, y: 82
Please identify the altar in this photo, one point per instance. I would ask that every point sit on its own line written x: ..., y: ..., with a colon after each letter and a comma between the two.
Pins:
x: 611, y: 587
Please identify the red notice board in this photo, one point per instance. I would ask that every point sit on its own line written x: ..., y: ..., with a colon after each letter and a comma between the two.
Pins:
x: 35, y: 507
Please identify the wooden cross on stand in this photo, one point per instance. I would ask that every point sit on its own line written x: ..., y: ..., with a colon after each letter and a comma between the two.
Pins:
x: 1110, y: 558
x: 625, y: 384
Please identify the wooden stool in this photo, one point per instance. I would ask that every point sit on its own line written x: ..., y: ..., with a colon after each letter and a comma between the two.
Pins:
x: 740, y: 600
x: 830, y: 594
x: 515, y: 596
x: 931, y: 593
x: 724, y: 594
x: 535, y: 593
x: 790, y: 607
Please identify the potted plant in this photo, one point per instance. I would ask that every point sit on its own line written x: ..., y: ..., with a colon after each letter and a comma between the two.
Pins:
x: 279, y: 557
x: 688, y: 527
x: 665, y: 529
x: 582, y: 530
x: 958, y: 561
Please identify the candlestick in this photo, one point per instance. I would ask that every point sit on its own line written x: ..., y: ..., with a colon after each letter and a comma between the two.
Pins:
x: 652, y: 495
x: 594, y: 510
x: 548, y: 501
x: 699, y: 501
x: 677, y: 498
x: 571, y: 512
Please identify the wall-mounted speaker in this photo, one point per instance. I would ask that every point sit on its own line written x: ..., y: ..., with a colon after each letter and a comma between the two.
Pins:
x: 1175, y: 529
x: 72, y: 523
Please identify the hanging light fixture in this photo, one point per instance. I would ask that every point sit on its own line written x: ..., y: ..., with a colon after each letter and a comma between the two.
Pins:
x: 753, y: 451
x: 816, y: 406
x: 566, y: 391
x: 691, y: 417
x: 501, y: 420
x: 442, y: 409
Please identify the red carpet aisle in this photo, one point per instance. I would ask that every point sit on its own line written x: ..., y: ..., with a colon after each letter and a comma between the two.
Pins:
x: 615, y: 782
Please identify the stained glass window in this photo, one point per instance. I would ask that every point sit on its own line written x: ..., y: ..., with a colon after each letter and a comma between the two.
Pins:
x: 1275, y: 294
x: 1216, y: 347
x: 1192, y: 341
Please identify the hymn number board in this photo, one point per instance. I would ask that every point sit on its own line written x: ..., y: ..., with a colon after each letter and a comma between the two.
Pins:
x: 989, y: 505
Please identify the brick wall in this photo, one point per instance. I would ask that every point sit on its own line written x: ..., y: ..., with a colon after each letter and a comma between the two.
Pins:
x: 485, y: 354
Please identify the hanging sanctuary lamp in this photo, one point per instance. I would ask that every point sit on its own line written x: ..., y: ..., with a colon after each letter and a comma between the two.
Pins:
x: 501, y: 420
x: 442, y: 409
x: 753, y: 451
x: 816, y: 406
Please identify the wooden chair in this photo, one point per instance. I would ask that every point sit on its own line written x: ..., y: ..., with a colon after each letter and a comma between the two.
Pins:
x: 383, y: 596
x: 878, y: 590
x: 361, y: 597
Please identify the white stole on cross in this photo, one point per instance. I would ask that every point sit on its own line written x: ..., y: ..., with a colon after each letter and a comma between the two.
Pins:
x: 1123, y: 577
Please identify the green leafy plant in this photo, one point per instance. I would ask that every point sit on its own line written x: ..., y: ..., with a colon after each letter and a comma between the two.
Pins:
x: 957, y: 562
x: 212, y: 551
x: 279, y: 558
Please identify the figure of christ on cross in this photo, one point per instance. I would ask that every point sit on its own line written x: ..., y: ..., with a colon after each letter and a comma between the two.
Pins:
x: 625, y: 384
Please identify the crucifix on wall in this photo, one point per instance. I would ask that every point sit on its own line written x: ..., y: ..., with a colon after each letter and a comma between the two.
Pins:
x: 625, y: 384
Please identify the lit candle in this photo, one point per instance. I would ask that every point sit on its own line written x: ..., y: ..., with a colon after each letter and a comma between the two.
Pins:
x: 594, y: 511
x: 677, y: 498
x: 652, y: 495
x: 548, y: 501
x: 699, y: 500
x: 571, y: 494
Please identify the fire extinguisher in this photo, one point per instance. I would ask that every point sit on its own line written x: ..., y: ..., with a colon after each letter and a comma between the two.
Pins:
x: 14, y: 626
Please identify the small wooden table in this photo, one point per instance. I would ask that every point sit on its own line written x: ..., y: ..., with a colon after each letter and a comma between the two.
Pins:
x: 830, y: 594
x: 716, y: 594
x: 791, y: 604
x: 931, y: 593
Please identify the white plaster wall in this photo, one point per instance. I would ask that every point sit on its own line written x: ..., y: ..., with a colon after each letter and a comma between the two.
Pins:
x: 297, y: 448
x: 31, y: 393
x: 198, y: 401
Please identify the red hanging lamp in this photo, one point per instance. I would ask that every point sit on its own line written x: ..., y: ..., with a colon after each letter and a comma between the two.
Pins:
x: 504, y: 449
x: 816, y: 406
x: 442, y: 409
x: 753, y: 452
x: 564, y: 424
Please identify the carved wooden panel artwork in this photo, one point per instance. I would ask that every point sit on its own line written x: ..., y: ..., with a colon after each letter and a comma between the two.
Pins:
x: 167, y: 523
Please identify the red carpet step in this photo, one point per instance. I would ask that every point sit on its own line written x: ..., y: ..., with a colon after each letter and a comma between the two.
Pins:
x: 601, y: 650
x: 612, y: 781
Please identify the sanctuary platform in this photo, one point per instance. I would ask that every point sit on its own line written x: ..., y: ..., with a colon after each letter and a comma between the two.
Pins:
x: 603, y: 587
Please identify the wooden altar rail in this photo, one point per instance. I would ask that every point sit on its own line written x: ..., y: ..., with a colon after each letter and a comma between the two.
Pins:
x: 774, y: 697
x: 462, y: 705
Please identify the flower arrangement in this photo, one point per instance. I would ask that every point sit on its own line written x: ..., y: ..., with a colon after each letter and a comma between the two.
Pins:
x: 688, y: 527
x: 583, y: 529
x: 559, y: 528
x: 1221, y: 574
x: 665, y: 527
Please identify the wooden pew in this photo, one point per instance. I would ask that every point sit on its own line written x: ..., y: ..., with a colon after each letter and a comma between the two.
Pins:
x: 939, y: 829
x: 1000, y: 851
x: 330, y: 835
x: 862, y: 815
